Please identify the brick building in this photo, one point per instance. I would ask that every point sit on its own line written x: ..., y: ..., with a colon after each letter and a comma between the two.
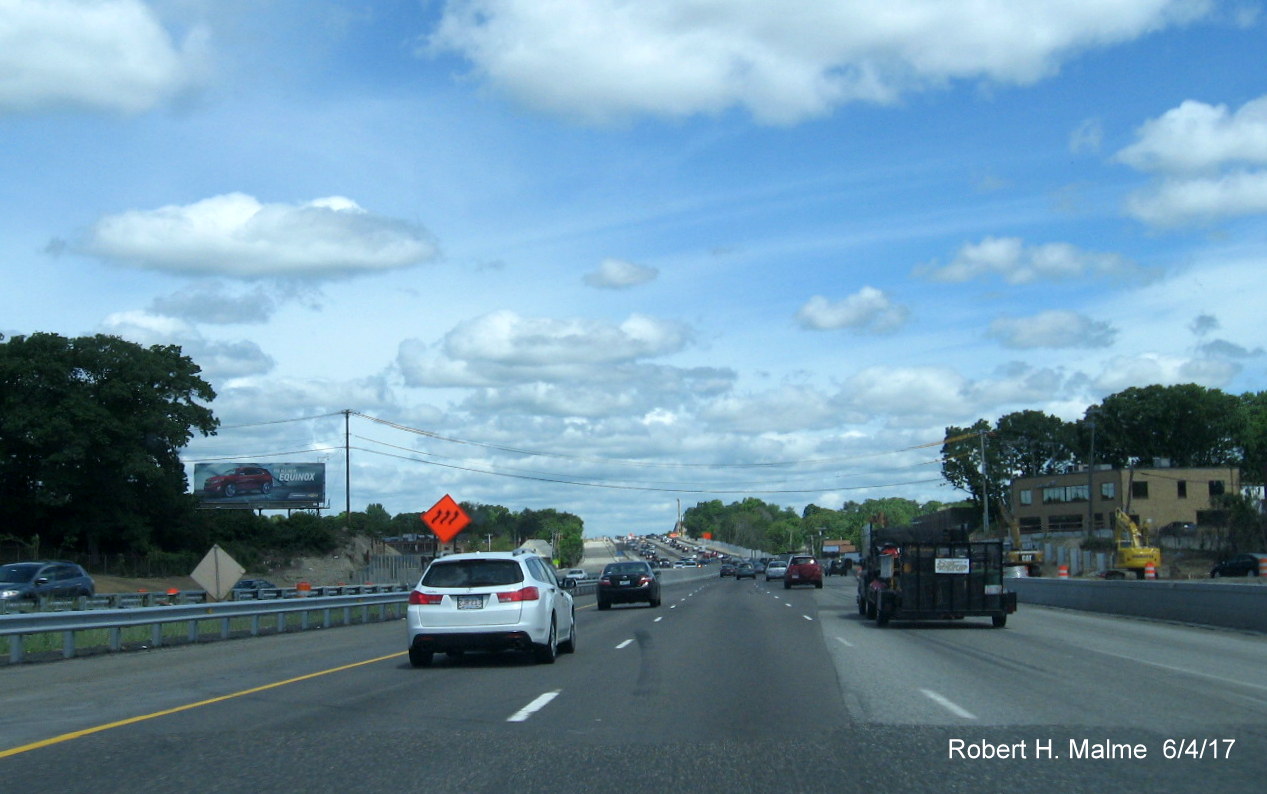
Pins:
x: 1156, y: 497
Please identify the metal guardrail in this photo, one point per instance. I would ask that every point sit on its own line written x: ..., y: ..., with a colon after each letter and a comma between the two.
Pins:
x: 154, y: 599
x: 17, y: 627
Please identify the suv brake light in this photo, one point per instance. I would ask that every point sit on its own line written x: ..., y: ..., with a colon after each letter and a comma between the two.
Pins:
x: 425, y: 599
x: 523, y: 594
x: 644, y: 580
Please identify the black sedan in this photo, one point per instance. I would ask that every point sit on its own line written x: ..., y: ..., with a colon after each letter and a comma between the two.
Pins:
x: 628, y: 582
x: 727, y: 569
x: 1238, y: 565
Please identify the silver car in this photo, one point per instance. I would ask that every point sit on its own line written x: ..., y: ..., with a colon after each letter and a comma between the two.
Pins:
x: 775, y: 569
x: 491, y: 601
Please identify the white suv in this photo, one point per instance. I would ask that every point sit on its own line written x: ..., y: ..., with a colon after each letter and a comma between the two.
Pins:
x: 492, y: 601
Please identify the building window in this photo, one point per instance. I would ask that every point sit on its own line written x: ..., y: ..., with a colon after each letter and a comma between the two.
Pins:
x: 1076, y: 493
x: 1053, y: 496
x: 1216, y: 487
x: 1183, y: 489
x: 1139, y: 490
x: 1108, y: 491
x: 1026, y: 497
x: 1072, y: 523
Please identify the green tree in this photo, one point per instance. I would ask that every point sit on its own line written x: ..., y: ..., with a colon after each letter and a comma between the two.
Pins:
x: 1253, y: 409
x: 1189, y: 424
x: 90, y: 433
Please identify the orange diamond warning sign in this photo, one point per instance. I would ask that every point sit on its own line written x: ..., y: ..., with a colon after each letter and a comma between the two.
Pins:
x: 446, y: 519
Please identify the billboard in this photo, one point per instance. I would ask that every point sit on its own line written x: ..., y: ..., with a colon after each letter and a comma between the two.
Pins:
x: 260, y: 485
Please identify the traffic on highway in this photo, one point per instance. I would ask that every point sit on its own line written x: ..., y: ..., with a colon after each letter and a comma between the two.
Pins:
x: 728, y: 685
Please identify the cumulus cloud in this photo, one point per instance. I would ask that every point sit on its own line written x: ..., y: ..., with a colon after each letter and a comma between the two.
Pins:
x: 783, y: 62
x: 619, y: 274
x: 1197, y: 137
x: 506, y: 347
x: 1177, y: 202
x: 1124, y: 372
x: 98, y: 54
x: 212, y: 302
x: 1209, y: 162
x: 1052, y: 329
x: 236, y: 235
x: 1017, y: 263
x: 869, y: 309
x: 217, y: 359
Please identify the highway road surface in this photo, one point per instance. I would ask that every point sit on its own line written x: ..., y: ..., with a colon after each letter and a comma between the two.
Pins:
x: 728, y: 687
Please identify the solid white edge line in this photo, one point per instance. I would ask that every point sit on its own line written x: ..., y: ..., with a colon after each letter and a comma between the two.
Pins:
x: 844, y: 642
x: 533, y: 707
x: 948, y: 705
x: 624, y: 644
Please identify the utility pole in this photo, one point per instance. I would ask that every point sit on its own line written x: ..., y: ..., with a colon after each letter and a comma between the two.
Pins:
x: 1091, y: 479
x: 347, y: 469
x: 985, y: 490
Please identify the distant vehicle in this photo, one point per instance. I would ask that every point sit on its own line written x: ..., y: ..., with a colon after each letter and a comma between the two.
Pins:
x: 726, y: 569
x: 1238, y: 565
x: 44, y: 579
x: 803, y: 569
x: 745, y: 570
x: 685, y: 564
x: 254, y: 584
x: 628, y: 582
x: 774, y: 569
x: 491, y: 601
x: 575, y: 573
x: 241, y: 479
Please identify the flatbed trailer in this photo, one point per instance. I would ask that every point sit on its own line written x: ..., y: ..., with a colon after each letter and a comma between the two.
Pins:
x: 922, y: 579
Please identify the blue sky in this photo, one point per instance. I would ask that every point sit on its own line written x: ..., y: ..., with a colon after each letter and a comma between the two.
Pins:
x: 611, y: 255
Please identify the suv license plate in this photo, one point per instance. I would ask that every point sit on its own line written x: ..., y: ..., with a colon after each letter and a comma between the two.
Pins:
x: 470, y: 602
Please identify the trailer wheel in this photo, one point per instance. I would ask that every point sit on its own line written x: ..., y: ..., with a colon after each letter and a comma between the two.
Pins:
x: 881, y: 615
x: 862, y: 607
x: 999, y: 621
x: 870, y: 610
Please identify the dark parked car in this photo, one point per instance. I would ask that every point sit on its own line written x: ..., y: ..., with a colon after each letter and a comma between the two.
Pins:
x: 746, y: 570
x: 241, y: 479
x: 43, y: 579
x: 1238, y: 565
x: 628, y: 582
x: 726, y: 569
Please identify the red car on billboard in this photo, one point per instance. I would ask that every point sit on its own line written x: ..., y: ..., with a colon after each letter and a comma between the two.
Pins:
x: 239, y: 480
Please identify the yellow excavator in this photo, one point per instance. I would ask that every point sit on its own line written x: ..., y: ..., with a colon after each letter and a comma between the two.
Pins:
x: 1133, y: 553
x: 1018, y: 557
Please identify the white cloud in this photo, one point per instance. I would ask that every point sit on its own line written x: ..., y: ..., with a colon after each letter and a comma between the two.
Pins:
x: 236, y: 235
x: 100, y: 54
x: 1124, y: 372
x: 1087, y: 137
x: 784, y: 62
x: 909, y: 393
x: 1016, y: 263
x: 1178, y: 202
x: 619, y: 274
x: 1210, y: 158
x: 1196, y: 137
x: 217, y: 359
x: 1052, y: 329
x: 211, y: 302
x: 869, y: 309
x: 505, y: 347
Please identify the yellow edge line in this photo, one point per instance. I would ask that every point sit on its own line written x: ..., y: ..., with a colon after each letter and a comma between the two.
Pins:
x: 66, y: 737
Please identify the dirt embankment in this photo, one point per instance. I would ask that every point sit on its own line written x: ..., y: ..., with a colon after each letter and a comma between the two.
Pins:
x: 337, y: 568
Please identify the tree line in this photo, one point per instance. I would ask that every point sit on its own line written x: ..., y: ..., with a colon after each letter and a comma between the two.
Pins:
x: 91, y: 430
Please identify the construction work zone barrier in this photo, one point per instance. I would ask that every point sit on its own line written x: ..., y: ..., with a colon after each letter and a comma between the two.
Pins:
x: 1150, y: 571
x: 1063, y: 572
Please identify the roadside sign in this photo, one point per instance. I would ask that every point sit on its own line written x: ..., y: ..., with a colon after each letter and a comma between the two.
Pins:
x: 217, y: 573
x: 446, y: 519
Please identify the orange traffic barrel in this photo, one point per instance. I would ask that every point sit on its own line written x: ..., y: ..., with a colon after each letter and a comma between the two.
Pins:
x: 1150, y: 571
x: 304, y: 588
x: 1063, y: 571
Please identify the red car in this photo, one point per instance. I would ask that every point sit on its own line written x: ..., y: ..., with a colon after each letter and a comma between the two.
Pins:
x: 242, y: 479
x: 803, y: 569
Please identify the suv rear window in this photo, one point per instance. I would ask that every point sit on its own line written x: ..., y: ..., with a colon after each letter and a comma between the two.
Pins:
x: 473, y: 573
x: 802, y: 561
